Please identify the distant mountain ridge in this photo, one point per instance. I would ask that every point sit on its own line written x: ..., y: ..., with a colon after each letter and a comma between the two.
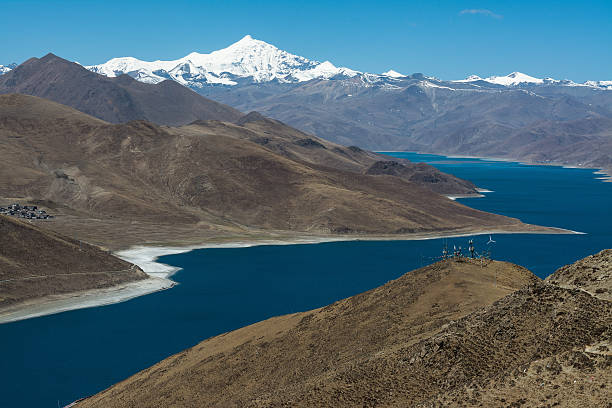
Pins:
x: 516, y: 116
x: 252, y: 60
x: 115, y: 100
x: 258, y: 61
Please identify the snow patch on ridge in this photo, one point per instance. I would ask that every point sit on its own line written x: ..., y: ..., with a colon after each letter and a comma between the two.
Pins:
x: 6, y: 68
x: 393, y: 74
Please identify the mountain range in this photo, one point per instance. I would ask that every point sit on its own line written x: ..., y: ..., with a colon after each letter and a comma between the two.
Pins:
x: 515, y: 116
x: 253, y: 61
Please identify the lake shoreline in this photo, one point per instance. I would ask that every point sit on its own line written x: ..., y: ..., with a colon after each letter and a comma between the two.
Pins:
x: 606, y: 174
x: 146, y: 257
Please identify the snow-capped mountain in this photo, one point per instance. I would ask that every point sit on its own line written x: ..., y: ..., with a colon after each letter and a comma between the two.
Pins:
x: 600, y: 84
x: 514, y: 78
x: 251, y: 61
x: 6, y: 68
x: 519, y: 79
x: 393, y: 74
x: 248, y: 58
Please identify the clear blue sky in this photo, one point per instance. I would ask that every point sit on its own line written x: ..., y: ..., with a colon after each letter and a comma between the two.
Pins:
x: 447, y: 39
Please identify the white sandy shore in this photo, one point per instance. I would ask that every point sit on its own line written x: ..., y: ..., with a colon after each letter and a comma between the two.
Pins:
x: 480, y: 190
x: 456, y: 196
x: 84, y: 299
x: 146, y: 258
x: 143, y: 256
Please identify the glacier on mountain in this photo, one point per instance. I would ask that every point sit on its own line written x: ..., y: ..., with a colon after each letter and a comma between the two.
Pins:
x: 253, y: 61
x: 247, y: 58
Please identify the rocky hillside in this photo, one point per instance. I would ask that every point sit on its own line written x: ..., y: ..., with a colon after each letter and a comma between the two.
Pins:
x: 296, y: 145
x: 450, y: 334
x: 592, y: 274
x: 35, y: 262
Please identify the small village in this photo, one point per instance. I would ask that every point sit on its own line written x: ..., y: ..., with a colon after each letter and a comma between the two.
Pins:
x: 29, y: 212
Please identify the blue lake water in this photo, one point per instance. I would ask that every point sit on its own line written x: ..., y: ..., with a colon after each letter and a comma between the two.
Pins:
x: 73, y: 354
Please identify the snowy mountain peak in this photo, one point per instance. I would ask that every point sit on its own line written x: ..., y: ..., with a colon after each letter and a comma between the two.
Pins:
x: 6, y: 68
x: 250, y: 60
x: 393, y: 74
x: 514, y: 78
x: 246, y: 59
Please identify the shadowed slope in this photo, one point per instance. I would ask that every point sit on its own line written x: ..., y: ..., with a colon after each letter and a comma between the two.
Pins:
x: 35, y: 262
x: 115, y: 100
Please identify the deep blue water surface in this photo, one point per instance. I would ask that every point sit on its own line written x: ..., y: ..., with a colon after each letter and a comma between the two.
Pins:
x: 73, y: 354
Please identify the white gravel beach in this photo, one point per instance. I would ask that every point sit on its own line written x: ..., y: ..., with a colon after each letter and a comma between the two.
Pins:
x: 146, y: 258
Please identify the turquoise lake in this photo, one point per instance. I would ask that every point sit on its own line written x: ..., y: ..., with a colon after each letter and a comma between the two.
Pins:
x: 70, y: 355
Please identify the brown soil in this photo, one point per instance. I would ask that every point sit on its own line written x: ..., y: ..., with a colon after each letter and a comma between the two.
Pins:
x: 35, y: 262
x: 443, y: 335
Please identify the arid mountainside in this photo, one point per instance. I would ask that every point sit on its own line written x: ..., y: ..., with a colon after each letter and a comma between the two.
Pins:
x: 114, y: 100
x: 35, y: 262
x: 208, y: 176
x: 592, y: 274
x: 451, y: 334
x: 302, y: 147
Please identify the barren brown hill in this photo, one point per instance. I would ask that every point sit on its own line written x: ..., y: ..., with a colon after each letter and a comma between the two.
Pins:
x: 302, y: 147
x: 164, y: 177
x: 450, y: 334
x: 35, y: 262
x: 115, y: 100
